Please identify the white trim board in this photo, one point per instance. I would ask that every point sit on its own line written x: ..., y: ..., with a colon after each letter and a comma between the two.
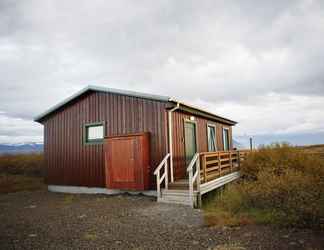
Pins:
x: 96, y: 190
x: 211, y: 185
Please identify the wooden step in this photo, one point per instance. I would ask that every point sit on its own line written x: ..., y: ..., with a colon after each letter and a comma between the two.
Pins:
x: 182, y: 184
x: 184, y: 181
x: 176, y: 196
x: 175, y: 192
x: 179, y: 186
x: 175, y: 201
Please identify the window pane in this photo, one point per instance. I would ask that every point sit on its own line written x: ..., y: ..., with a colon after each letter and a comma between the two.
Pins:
x: 213, y: 141
x: 95, y: 132
x: 211, y: 138
x: 225, y: 139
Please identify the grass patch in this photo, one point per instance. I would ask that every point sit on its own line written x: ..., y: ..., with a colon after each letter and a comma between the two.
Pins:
x: 68, y: 199
x: 223, y: 208
x: 281, y: 185
x: 14, y: 183
x: 90, y: 236
x: 22, y: 164
x: 21, y: 172
x: 230, y: 246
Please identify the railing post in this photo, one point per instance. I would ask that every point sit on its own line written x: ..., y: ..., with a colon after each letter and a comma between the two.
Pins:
x: 238, y: 160
x: 198, y: 183
x: 230, y: 160
x: 171, y: 168
x: 166, y: 174
x: 219, y: 165
x: 190, y: 187
x: 204, y: 167
x: 158, y: 185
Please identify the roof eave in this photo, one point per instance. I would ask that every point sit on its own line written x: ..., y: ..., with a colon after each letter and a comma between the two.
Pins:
x: 43, y: 115
x: 204, y: 113
x: 190, y: 108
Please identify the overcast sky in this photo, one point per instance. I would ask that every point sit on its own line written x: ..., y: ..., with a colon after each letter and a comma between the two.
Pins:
x: 260, y: 63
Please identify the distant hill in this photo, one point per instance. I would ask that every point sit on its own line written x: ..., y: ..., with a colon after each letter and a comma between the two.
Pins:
x: 32, y: 147
x: 21, y: 148
x: 297, y: 139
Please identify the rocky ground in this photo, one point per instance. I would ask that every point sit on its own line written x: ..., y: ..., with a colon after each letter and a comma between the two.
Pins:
x: 43, y: 220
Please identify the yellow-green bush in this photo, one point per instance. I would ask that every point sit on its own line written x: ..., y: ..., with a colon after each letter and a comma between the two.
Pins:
x: 281, y: 184
x: 25, y: 164
x: 10, y: 183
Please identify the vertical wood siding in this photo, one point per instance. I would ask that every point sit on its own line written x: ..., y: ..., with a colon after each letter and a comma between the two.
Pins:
x: 70, y: 162
x: 202, y: 146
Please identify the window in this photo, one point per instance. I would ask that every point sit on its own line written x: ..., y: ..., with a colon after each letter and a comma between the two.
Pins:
x: 226, y: 139
x: 94, y: 133
x: 211, y: 138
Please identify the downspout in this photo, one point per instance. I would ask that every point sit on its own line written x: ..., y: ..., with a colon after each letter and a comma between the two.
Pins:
x: 170, y: 139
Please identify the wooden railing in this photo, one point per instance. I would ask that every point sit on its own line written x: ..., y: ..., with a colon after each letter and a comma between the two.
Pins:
x: 243, y: 154
x: 194, y: 176
x: 164, y: 177
x: 220, y: 163
x: 207, y: 165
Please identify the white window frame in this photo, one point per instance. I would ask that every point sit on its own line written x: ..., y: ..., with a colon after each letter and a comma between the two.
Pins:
x: 212, y: 126
x: 88, y: 141
x: 228, y: 137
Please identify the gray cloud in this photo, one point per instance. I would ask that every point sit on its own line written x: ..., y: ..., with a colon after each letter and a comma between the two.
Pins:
x: 214, y: 53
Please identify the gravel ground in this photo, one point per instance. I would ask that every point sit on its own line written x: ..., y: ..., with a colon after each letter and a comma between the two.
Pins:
x: 43, y: 220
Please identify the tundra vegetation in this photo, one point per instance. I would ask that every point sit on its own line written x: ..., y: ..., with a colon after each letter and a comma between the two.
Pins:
x: 280, y: 184
x: 20, y: 172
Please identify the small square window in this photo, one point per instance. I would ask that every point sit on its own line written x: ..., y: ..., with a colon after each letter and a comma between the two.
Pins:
x: 94, y: 133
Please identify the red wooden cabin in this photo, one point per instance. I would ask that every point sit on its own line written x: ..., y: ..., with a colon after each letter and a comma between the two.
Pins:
x: 112, y: 139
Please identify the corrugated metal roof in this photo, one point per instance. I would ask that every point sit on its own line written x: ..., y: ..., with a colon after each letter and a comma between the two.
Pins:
x: 122, y: 92
x: 100, y: 89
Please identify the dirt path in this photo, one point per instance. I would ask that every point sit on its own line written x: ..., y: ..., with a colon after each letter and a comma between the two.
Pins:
x: 42, y: 220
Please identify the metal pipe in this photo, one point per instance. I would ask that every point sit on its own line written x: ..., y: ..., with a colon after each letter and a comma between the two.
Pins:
x: 170, y: 139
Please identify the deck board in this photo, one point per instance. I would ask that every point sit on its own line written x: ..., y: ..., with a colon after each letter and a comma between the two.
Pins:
x: 216, y: 183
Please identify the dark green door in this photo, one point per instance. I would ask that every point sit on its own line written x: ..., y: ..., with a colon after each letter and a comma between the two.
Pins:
x: 190, y: 141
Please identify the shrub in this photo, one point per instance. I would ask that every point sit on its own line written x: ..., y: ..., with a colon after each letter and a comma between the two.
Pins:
x: 14, y: 183
x: 278, y: 158
x: 25, y: 164
x: 281, y: 184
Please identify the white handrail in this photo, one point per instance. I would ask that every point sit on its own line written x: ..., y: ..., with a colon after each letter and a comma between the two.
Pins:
x: 194, y: 177
x: 192, y: 162
x: 164, y: 177
x: 161, y: 164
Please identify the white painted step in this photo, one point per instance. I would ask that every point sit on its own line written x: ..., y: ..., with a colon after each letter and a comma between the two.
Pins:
x: 176, y: 201
x: 176, y: 196
x: 175, y: 192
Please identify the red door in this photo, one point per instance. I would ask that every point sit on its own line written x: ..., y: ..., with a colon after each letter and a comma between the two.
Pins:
x: 126, y: 168
x: 123, y: 160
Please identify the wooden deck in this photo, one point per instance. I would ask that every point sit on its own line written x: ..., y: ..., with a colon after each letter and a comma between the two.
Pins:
x: 215, y: 169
